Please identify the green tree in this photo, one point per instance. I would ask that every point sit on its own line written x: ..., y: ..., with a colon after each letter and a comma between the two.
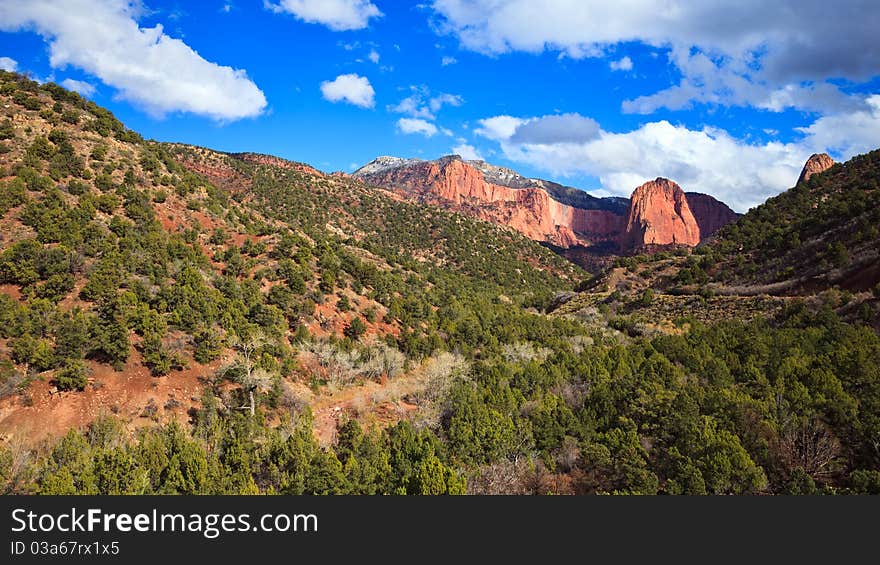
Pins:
x: 208, y: 345
x: 355, y: 329
x: 73, y: 375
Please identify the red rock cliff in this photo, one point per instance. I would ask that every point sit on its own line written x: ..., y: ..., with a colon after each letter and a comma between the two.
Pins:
x: 659, y: 214
x: 531, y: 211
x: 711, y: 214
x: 817, y: 163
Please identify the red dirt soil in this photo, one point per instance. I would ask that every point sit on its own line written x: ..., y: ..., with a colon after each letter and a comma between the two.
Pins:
x: 124, y: 393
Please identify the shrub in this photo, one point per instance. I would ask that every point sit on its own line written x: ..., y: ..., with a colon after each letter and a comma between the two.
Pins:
x: 355, y: 329
x: 72, y: 376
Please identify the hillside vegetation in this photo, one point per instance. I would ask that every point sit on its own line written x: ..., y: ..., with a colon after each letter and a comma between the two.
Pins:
x: 179, y: 320
x: 821, y: 233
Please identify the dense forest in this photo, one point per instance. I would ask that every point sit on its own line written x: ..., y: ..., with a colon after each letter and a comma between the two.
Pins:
x: 268, y: 278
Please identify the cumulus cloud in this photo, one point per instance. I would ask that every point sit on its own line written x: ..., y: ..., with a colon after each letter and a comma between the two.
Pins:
x: 772, y: 45
x: 731, y: 82
x: 350, y: 88
x: 148, y: 68
x: 499, y: 128
x: 415, y: 125
x: 421, y: 104
x: 338, y: 15
x: 447, y: 60
x: 467, y: 152
x: 84, y: 88
x: 623, y: 64
x: 373, y: 56
x: 8, y: 64
x: 707, y: 160
x: 846, y: 134
x: 564, y: 128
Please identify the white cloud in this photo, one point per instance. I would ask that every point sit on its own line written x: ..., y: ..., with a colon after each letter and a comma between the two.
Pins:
x: 733, y: 82
x: 83, y: 88
x: 415, y: 125
x: 338, y: 15
x: 8, y: 64
x: 412, y: 106
x: 793, y: 45
x: 373, y: 56
x: 564, y: 128
x: 708, y: 160
x: 350, y: 88
x: 420, y: 104
x: 846, y: 134
x: 499, y: 128
x: 149, y: 68
x: 624, y: 64
x: 437, y: 102
x: 467, y: 152
x: 447, y: 60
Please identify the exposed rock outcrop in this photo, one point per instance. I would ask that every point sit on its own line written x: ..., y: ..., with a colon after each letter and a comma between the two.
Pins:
x: 659, y: 214
x: 711, y: 214
x: 459, y: 185
x: 817, y: 163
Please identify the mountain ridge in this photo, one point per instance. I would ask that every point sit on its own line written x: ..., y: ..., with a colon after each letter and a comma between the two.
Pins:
x: 562, y: 216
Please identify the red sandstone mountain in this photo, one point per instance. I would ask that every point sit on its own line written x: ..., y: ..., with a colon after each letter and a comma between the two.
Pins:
x: 500, y: 196
x: 549, y: 212
x: 711, y: 214
x: 659, y: 214
x: 817, y: 163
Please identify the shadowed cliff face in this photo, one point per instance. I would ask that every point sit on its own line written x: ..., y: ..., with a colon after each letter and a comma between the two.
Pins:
x: 711, y: 214
x: 659, y: 216
x: 817, y: 163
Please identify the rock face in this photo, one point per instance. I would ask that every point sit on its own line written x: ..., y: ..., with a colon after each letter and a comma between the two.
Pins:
x: 526, y: 206
x: 817, y: 163
x: 659, y: 214
x: 711, y: 214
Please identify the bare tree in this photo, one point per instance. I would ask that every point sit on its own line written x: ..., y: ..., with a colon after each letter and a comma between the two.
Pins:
x: 244, y: 370
x: 810, y: 445
x: 440, y: 372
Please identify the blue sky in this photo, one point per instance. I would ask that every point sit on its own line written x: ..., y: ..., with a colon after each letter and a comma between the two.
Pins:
x: 725, y: 98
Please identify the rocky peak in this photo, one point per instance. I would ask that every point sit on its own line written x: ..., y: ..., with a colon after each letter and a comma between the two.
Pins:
x: 659, y: 214
x: 498, y: 195
x: 384, y: 163
x: 817, y: 163
x: 502, y: 175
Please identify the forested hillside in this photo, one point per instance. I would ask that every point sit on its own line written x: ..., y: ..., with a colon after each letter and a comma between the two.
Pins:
x: 179, y: 320
x: 821, y: 233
